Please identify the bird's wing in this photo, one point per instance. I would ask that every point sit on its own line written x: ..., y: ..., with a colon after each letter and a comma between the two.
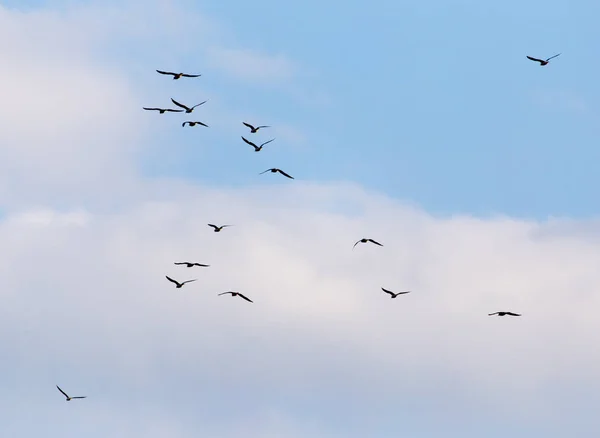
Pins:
x: 214, y: 226
x: 84, y: 396
x: 513, y: 314
x: 356, y: 244
x: 248, y: 125
x: 179, y: 104
x: 189, y: 281
x: 262, y: 126
x: 535, y: 59
x: 203, y: 124
x: 245, y: 297
x: 376, y: 243
x: 180, y: 263
x: 249, y: 142
x: 491, y: 314
x: 387, y: 291
x: 201, y: 265
x: 152, y: 109
x: 63, y: 393
x: 201, y: 103
x: 190, y: 76
x: 225, y: 293
x: 552, y: 57
x: 174, y: 110
x: 166, y: 72
x: 171, y: 280
x: 403, y: 292
x: 266, y: 142
x: 183, y: 124
x: 285, y: 174
x: 268, y: 170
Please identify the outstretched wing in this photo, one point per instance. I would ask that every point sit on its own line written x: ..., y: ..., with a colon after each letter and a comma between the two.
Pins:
x: 268, y: 170
x: 513, y: 314
x: 214, y: 226
x: 203, y: 124
x: 248, y: 125
x: 172, y: 281
x: 188, y: 281
x: 179, y: 104
x: 285, y: 174
x: 492, y: 314
x: 166, y: 73
x: 201, y: 103
x: 262, y: 126
x: 225, y: 293
x: 79, y: 397
x: 245, y: 297
x: 180, y: 263
x: 558, y: 54
x: 183, y: 124
x: 250, y: 143
x: 376, y: 243
x: 387, y: 291
x: 356, y: 244
x: 63, y: 393
x: 201, y: 265
x: 190, y: 76
x: 535, y: 59
x: 173, y: 110
x: 266, y: 142
x: 152, y: 109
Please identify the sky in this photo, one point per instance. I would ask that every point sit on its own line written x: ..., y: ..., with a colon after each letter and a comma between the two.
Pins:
x: 419, y: 124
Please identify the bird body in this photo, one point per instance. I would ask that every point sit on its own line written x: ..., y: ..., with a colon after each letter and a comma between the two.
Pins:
x: 542, y: 62
x: 178, y: 284
x: 504, y: 313
x: 234, y: 294
x: 217, y: 229
x: 253, y: 130
x: 194, y: 123
x: 191, y: 265
x: 257, y: 148
x: 365, y: 241
x: 187, y: 108
x: 274, y: 169
x: 394, y: 295
x: 66, y: 396
x: 177, y: 75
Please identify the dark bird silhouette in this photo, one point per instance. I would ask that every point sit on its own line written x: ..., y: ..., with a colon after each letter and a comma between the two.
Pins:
x: 504, y: 313
x: 365, y: 241
x: 274, y: 169
x: 65, y: 394
x: 162, y: 110
x: 177, y: 75
x: 178, y: 284
x: 253, y: 129
x: 542, y: 61
x: 190, y: 264
x: 217, y: 229
x: 233, y: 294
x: 187, y: 108
x: 194, y: 123
x: 257, y: 148
x: 394, y: 295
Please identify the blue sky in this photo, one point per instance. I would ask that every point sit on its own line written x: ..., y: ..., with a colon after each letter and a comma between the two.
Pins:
x: 420, y: 124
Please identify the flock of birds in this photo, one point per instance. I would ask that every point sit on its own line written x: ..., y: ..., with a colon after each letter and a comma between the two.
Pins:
x: 217, y: 228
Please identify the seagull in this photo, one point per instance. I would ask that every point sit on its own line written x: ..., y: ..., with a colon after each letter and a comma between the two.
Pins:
x: 190, y: 264
x: 504, y: 313
x: 194, y: 123
x: 257, y: 148
x: 394, y: 295
x: 162, y: 110
x: 187, y: 109
x: 274, y: 169
x: 178, y: 284
x: 542, y: 61
x: 365, y: 241
x: 65, y: 394
x: 253, y: 129
x: 233, y: 294
x: 177, y: 75
x: 217, y: 229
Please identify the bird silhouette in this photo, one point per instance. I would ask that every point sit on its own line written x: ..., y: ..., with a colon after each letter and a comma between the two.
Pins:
x: 162, y: 110
x: 233, y: 294
x: 253, y: 129
x: 542, y: 61
x: 504, y: 313
x: 178, y: 284
x: 394, y: 295
x: 177, y: 75
x: 194, y: 123
x: 257, y: 148
x: 68, y: 398
x: 217, y: 229
x: 365, y: 241
x: 190, y: 264
x: 187, y: 108
x: 274, y: 169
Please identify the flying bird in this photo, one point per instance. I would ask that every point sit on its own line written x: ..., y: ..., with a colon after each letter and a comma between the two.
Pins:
x: 194, y: 123
x: 177, y: 75
x: 190, y: 264
x: 257, y: 148
x: 162, y: 110
x: 394, y: 295
x: 65, y: 394
x: 542, y: 61
x: 274, y: 169
x: 233, y: 294
x: 187, y: 108
x: 504, y: 313
x: 217, y: 229
x: 365, y: 241
x: 178, y: 284
x: 253, y: 129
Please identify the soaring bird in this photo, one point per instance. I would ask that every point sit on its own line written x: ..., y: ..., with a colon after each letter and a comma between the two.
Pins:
x: 162, y: 110
x: 190, y: 264
x: 233, y: 294
x: 217, y: 229
x: 65, y: 394
x: 187, y: 108
x: 253, y: 129
x: 504, y: 313
x: 178, y: 284
x: 542, y: 61
x: 394, y: 295
x: 274, y: 169
x: 257, y: 148
x: 177, y: 75
x: 365, y: 241
x: 194, y: 123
